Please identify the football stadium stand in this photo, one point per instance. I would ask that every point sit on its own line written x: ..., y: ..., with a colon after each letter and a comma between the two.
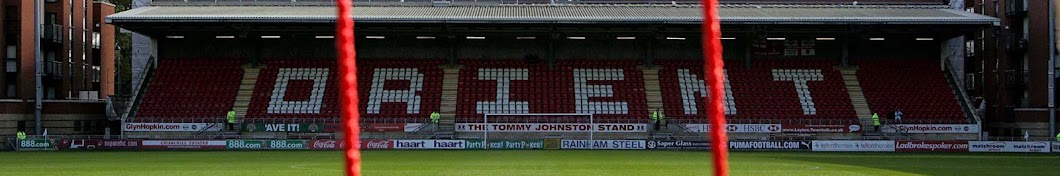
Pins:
x: 916, y: 87
x: 611, y: 90
x: 186, y: 90
x: 804, y: 91
x: 770, y: 91
x: 392, y: 91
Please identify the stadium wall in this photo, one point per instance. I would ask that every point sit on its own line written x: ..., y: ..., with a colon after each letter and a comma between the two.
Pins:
x: 58, y: 117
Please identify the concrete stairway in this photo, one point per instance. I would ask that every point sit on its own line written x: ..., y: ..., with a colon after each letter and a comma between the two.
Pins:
x: 652, y: 91
x: 857, y: 97
x: 450, y: 85
x: 246, y: 91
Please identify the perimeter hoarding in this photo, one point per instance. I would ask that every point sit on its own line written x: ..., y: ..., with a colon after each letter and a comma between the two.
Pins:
x: 184, y: 144
x: 98, y: 144
x: 853, y: 146
x: 678, y: 145
x: 267, y: 144
x: 326, y: 127
x: 1009, y: 146
x: 36, y: 144
x: 506, y: 144
x: 930, y: 146
x: 430, y: 144
x: 1056, y: 147
x: 930, y: 128
x: 365, y: 144
x: 733, y: 145
x: 604, y: 144
x: 172, y: 127
x: 551, y: 127
x: 769, y: 145
x: 803, y: 128
x: 738, y: 128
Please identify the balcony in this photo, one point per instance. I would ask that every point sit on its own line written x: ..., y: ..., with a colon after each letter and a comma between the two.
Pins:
x: 53, y: 69
x: 95, y: 40
x: 52, y: 32
x: 1017, y: 8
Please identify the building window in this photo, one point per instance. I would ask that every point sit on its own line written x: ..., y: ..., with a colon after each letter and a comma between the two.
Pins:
x: 51, y: 19
x: 11, y: 90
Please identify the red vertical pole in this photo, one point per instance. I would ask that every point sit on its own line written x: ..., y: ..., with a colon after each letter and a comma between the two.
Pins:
x: 713, y: 72
x: 344, y: 44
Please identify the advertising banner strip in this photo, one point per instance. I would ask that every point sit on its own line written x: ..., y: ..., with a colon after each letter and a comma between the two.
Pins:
x: 245, y: 144
x: 853, y: 146
x: 738, y: 128
x: 97, y: 144
x: 550, y: 127
x: 1056, y: 147
x: 283, y: 127
x: 322, y: 127
x: 679, y: 145
x: 288, y: 144
x: 803, y: 128
x: 184, y: 144
x: 931, y: 146
x: 506, y: 144
x: 35, y: 144
x: 733, y: 145
x: 769, y: 145
x: 1009, y: 146
x: 172, y: 127
x: 267, y: 144
x: 429, y: 144
x: 366, y: 144
x: 604, y: 144
x: 930, y: 128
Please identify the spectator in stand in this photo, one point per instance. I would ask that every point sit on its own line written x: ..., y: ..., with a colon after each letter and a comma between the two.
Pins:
x: 876, y: 121
x: 435, y: 116
x: 656, y: 117
x: 898, y: 116
x: 231, y: 119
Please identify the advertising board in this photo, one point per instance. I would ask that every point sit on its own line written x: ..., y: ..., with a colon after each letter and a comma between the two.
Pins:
x: 429, y: 144
x: 1009, y: 146
x: 738, y: 128
x: 930, y: 128
x: 853, y: 146
x: 604, y: 144
x: 36, y: 144
x: 184, y: 144
x: 931, y: 146
x: 678, y: 145
x: 769, y: 145
x: 804, y: 128
x: 172, y: 127
x: 551, y: 127
x: 506, y: 144
x: 97, y: 144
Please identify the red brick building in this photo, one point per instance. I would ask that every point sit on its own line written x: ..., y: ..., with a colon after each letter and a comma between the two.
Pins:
x: 77, y: 51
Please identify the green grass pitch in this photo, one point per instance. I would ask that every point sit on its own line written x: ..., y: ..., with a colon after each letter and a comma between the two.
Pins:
x: 546, y: 162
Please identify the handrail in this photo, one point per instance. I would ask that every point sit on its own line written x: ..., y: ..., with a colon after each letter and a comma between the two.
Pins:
x: 962, y: 95
x: 138, y: 93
